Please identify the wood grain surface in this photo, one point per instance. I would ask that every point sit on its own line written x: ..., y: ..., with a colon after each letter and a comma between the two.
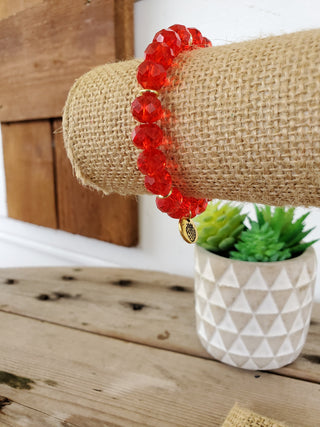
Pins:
x: 28, y: 160
x: 87, y: 212
x: 12, y: 7
x: 82, y: 379
x: 94, y: 347
x: 149, y: 308
x: 45, y: 47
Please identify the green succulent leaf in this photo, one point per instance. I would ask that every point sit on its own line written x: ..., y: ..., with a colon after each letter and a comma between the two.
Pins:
x: 219, y: 226
x: 226, y: 243
x: 301, y: 247
x: 260, y: 243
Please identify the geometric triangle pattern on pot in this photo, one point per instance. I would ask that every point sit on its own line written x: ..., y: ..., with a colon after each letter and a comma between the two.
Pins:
x: 304, y: 277
x: 253, y: 321
x: 229, y: 278
x: 255, y: 297
x: 207, y: 271
x: 256, y: 278
x: 282, y: 281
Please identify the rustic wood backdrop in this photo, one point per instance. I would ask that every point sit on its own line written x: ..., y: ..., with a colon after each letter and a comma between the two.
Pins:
x: 44, y: 46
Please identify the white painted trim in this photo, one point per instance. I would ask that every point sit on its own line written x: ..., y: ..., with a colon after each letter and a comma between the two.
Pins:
x: 3, y: 193
x: 79, y: 250
x: 71, y: 257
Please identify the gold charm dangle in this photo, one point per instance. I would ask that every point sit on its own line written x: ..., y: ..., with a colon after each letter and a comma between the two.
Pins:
x: 188, y: 230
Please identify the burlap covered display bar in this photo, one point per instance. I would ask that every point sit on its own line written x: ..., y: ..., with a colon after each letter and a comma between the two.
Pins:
x: 243, y: 417
x: 244, y: 123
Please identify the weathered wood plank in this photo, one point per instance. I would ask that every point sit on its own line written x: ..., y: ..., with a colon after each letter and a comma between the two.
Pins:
x: 84, y: 211
x: 124, y: 36
x: 44, y: 48
x: 90, y: 380
x: 28, y: 160
x: 16, y: 415
x: 151, y: 308
x: 12, y: 7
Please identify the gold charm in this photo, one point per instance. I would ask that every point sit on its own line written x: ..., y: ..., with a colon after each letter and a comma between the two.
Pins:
x: 188, y: 230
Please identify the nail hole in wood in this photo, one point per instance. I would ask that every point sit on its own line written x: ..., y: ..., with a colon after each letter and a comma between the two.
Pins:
x: 179, y: 288
x: 123, y: 282
x: 51, y: 383
x: 313, y: 358
x: 43, y: 297
x: 11, y: 281
x: 59, y: 294
x: 135, y: 306
x: 54, y: 296
x: 164, y: 336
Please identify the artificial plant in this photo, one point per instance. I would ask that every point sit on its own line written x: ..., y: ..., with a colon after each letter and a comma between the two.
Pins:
x: 274, y: 236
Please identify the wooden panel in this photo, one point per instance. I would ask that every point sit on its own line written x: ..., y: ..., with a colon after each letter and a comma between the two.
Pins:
x: 12, y: 7
x: 28, y: 160
x: 84, y: 211
x: 123, y: 19
x: 44, y: 48
x: 84, y: 379
x: 145, y: 307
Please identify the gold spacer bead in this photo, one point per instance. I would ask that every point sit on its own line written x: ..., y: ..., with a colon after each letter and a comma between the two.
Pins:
x: 142, y: 91
x: 168, y: 195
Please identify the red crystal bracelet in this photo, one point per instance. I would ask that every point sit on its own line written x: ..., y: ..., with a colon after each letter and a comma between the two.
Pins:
x: 148, y: 136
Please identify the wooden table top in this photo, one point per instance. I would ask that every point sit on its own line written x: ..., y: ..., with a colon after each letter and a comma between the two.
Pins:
x: 95, y: 347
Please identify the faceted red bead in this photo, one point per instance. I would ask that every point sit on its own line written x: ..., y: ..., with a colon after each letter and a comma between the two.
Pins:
x: 147, y: 136
x: 183, y: 33
x: 183, y: 211
x: 197, y: 38
x: 171, y: 203
x: 159, y: 183
x: 206, y: 42
x: 179, y: 213
x: 170, y: 38
x: 159, y: 53
x: 197, y: 206
x: 151, y: 75
x: 151, y: 161
x: 189, y: 208
x: 176, y: 214
x: 147, y: 108
x: 202, y: 206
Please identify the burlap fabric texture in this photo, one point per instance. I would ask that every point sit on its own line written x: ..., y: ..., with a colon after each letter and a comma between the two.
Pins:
x: 244, y: 123
x: 242, y: 417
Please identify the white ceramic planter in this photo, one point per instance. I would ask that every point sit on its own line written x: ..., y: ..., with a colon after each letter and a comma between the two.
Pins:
x: 253, y: 315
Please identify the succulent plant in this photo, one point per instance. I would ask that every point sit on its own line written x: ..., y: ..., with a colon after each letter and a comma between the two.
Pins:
x: 275, y: 236
x: 290, y: 232
x: 220, y: 226
x: 260, y: 244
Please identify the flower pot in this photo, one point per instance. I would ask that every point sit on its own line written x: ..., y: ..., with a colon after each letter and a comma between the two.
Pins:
x: 253, y: 315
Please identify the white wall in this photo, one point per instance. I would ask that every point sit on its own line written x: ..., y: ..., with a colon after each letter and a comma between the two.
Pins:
x: 161, y: 247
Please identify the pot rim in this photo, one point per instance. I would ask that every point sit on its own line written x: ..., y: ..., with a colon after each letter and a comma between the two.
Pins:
x: 309, y: 252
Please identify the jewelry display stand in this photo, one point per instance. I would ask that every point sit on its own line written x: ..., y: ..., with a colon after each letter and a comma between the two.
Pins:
x: 243, y: 123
